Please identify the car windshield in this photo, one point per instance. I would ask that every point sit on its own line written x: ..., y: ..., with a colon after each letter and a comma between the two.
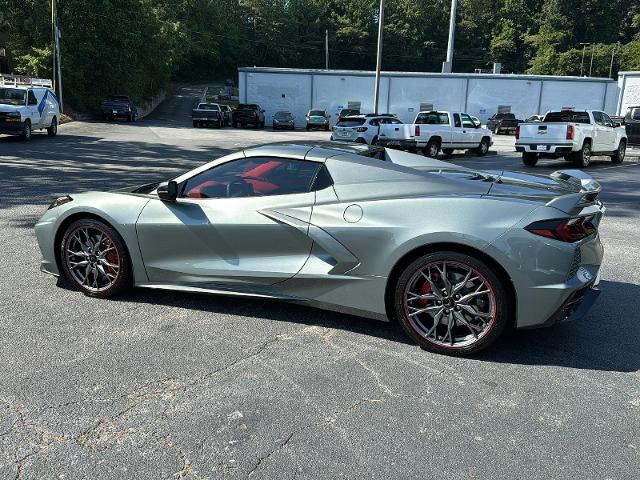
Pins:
x: 13, y: 96
x: 317, y: 113
x: 505, y: 116
x: 567, y: 116
x: 349, y: 111
x: 283, y: 116
x: 208, y: 106
x: 351, y: 122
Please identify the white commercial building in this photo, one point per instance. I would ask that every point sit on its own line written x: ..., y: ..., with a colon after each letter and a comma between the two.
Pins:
x: 406, y: 93
x: 629, y: 85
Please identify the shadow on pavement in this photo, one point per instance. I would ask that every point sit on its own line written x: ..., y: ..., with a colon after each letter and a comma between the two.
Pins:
x: 605, y: 340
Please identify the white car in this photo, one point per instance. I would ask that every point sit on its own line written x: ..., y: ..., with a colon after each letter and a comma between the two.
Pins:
x: 362, y: 128
x: 25, y: 108
x: 436, y: 130
x: 574, y: 135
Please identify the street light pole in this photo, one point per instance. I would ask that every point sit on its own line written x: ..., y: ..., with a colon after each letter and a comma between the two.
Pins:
x: 53, y: 38
x: 56, y: 40
x: 611, y: 65
x: 326, y: 48
x: 376, y: 95
x: 591, y: 65
x: 447, y: 67
x: 584, y: 46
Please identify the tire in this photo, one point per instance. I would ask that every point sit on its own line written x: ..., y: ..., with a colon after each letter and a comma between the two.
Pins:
x: 530, y: 159
x: 130, y: 118
x: 374, y: 140
x: 582, y: 157
x: 326, y: 129
x: 483, y: 149
x: 26, y: 131
x: 52, y: 131
x: 262, y: 124
x: 307, y: 128
x: 496, y: 130
x: 273, y: 126
x: 619, y: 154
x: 220, y: 123
x: 108, y: 266
x: 432, y: 149
x: 476, y: 321
x: 195, y: 124
x: 447, y: 151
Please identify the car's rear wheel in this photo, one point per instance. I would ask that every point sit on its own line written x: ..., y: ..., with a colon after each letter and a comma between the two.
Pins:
x: 95, y: 259
x: 582, y: 157
x: 432, y: 149
x: 619, y: 154
x: 530, y: 159
x: 52, y: 131
x: 451, y: 303
x: 196, y: 124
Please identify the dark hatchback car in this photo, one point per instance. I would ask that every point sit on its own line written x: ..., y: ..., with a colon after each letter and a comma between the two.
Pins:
x: 248, y: 114
x: 347, y: 112
x: 119, y: 106
x: 283, y: 120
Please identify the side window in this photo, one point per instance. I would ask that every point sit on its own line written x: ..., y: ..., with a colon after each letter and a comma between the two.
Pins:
x: 443, y: 118
x: 253, y: 177
x: 323, y: 179
x: 467, y: 122
x: 32, y: 98
x: 607, y: 120
x: 456, y: 120
x: 375, y: 122
x: 597, y: 117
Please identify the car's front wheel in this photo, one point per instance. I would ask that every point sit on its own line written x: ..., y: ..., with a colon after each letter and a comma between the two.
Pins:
x: 26, y: 130
x: 95, y: 259
x: 619, y: 154
x: 52, y: 131
x: 451, y: 303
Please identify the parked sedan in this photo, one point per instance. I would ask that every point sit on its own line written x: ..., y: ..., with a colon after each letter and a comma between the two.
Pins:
x: 337, y: 226
x: 317, y: 119
x: 284, y: 120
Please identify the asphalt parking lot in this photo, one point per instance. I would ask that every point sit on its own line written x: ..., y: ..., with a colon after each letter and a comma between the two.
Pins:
x: 171, y: 385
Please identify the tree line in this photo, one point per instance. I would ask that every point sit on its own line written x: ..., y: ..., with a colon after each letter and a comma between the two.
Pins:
x: 137, y: 46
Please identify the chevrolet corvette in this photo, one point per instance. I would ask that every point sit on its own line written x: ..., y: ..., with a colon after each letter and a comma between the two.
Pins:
x: 455, y: 255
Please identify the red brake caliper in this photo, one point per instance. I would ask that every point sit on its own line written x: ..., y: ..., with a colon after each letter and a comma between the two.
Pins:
x: 112, y: 258
x: 426, y: 288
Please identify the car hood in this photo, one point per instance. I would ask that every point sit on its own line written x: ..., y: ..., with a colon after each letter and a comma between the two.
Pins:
x: 10, y: 108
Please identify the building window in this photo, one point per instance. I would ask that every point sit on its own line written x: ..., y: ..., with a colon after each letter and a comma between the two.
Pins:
x: 426, y: 107
x: 504, y: 108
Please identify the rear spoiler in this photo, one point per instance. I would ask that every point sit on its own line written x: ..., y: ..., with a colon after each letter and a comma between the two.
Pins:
x: 588, y: 194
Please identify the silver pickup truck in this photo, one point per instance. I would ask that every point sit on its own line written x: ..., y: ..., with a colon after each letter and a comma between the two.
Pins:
x: 574, y: 135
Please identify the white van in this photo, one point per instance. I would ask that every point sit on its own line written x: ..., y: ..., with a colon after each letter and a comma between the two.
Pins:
x: 27, y: 105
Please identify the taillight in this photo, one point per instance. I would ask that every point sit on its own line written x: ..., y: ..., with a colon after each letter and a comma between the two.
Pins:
x: 253, y: 114
x: 566, y: 230
x: 517, y: 132
x: 569, y: 132
x: 361, y: 129
x: 417, y: 131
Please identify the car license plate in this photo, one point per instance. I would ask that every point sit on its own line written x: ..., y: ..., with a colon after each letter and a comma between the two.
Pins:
x: 541, y: 148
x: 344, y: 133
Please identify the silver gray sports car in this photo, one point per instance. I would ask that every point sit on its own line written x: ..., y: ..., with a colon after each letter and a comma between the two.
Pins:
x: 455, y: 255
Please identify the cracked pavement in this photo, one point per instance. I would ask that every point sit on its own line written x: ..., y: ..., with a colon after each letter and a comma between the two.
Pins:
x: 157, y: 384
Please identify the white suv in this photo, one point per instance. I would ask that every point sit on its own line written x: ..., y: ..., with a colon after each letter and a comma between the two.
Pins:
x: 25, y: 107
x: 362, y: 128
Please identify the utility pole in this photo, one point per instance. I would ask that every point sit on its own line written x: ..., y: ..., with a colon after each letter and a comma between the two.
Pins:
x: 326, y: 48
x: 376, y: 96
x: 611, y: 65
x: 593, y: 46
x: 56, y: 31
x: 448, y: 65
x: 53, y: 38
x: 584, y: 46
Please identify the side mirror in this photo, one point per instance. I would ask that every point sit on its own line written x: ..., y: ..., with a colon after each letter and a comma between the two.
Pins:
x: 617, y: 124
x: 168, y: 191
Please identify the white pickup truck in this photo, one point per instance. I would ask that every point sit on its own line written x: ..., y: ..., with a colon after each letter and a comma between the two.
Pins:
x: 574, y: 135
x: 435, y: 131
x: 26, y: 105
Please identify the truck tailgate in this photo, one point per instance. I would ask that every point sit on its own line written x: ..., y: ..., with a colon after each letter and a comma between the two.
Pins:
x: 394, y: 131
x: 543, y: 132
